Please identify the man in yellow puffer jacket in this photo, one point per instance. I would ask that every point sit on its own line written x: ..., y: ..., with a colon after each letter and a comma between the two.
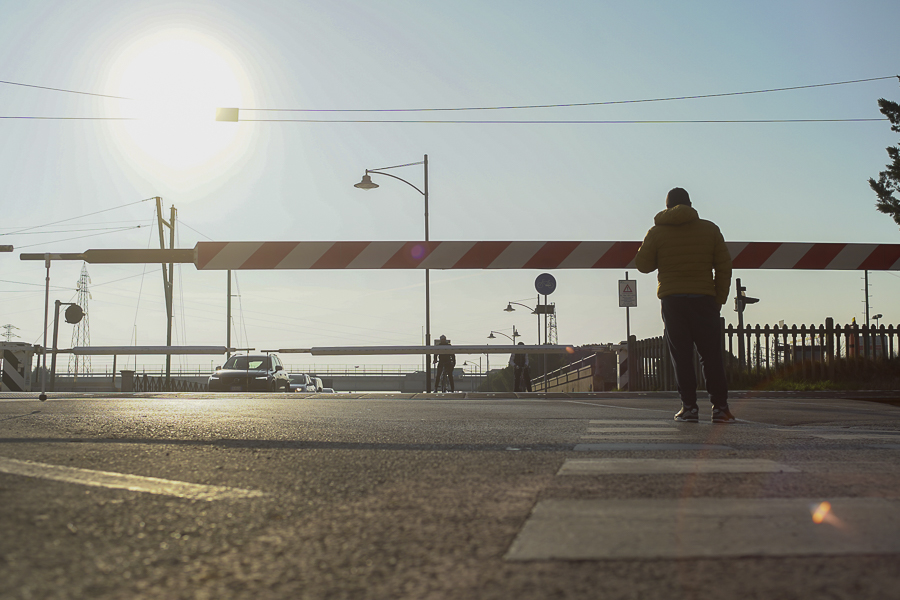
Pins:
x: 694, y: 279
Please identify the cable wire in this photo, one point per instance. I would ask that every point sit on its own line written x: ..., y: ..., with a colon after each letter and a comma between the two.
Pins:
x: 53, y: 89
x: 576, y: 104
x: 78, y: 217
x: 78, y: 237
x: 467, y: 108
x: 550, y: 122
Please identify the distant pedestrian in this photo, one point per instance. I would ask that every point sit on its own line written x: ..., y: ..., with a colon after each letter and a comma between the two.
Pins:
x: 694, y: 279
x: 445, y: 365
x: 521, y: 371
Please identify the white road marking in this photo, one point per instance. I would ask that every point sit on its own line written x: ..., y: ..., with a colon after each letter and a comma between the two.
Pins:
x: 852, y: 434
x: 629, y: 446
x: 630, y: 422
x: 122, y: 481
x: 641, y: 466
x: 666, y: 429
x: 623, y: 435
x: 706, y: 527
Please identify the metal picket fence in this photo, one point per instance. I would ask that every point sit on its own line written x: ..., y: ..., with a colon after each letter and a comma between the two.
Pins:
x: 757, y: 352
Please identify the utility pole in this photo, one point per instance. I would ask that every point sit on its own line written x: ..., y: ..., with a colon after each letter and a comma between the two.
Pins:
x: 167, y: 276
x: 228, y: 318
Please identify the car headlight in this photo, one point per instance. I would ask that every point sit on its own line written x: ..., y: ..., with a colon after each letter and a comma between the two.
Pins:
x: 263, y: 378
x: 213, y: 376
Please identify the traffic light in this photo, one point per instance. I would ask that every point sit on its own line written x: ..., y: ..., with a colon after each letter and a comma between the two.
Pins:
x: 742, y: 299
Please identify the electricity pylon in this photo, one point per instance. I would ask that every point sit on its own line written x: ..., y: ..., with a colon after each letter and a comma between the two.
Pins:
x: 8, y: 334
x: 81, y: 334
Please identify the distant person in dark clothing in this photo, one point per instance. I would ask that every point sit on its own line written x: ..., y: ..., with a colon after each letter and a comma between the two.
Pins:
x: 694, y: 279
x: 521, y: 371
x: 445, y: 364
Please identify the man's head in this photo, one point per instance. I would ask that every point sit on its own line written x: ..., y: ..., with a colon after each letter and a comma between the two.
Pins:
x: 677, y: 196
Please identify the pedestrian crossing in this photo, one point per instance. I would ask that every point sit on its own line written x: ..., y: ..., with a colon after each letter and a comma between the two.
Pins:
x: 693, y: 527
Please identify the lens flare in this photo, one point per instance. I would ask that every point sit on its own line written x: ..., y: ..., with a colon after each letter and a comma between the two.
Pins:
x: 820, y: 512
x: 418, y: 251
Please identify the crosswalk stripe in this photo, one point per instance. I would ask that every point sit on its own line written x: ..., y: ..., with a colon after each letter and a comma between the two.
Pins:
x: 629, y: 422
x: 623, y: 435
x: 650, y: 446
x: 632, y: 429
x: 641, y: 466
x: 707, y: 527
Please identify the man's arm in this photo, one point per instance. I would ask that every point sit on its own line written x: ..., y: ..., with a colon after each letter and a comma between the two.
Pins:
x: 645, y: 261
x: 722, y: 267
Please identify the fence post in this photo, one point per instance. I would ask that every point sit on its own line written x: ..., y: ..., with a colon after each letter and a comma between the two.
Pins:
x: 631, y: 363
x: 829, y: 345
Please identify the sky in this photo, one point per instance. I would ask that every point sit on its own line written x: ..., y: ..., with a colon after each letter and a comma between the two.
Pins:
x: 68, y: 185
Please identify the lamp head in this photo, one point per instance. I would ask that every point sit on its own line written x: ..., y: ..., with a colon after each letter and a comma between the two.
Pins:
x: 492, y: 336
x: 509, y: 307
x: 878, y: 316
x: 366, y: 183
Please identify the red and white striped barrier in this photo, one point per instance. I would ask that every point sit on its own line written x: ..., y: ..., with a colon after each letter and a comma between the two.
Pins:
x: 525, y: 255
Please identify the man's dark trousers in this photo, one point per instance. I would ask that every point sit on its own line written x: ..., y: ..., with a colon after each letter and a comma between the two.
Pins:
x: 694, y: 320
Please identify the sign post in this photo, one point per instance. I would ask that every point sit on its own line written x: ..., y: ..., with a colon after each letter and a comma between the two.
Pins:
x: 627, y: 298
x: 544, y: 284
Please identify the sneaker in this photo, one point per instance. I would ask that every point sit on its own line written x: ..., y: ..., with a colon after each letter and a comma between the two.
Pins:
x: 722, y: 415
x: 688, y: 414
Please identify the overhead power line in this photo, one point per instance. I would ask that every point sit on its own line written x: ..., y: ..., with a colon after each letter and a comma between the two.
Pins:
x: 79, y: 237
x: 120, y: 228
x: 576, y: 104
x: 560, y: 122
x: 78, y: 217
x: 53, y: 89
x: 33, y: 118
x: 516, y: 122
x: 468, y: 108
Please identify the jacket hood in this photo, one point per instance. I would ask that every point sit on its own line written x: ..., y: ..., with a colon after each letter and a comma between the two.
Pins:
x: 677, y: 215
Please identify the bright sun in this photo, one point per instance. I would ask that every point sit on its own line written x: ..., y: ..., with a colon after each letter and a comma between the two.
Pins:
x: 176, y: 81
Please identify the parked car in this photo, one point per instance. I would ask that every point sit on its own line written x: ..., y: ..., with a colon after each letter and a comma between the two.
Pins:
x: 250, y: 373
x: 319, y: 385
x: 301, y: 382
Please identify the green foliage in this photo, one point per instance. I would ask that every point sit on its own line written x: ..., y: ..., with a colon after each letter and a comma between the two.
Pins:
x: 849, y: 374
x: 498, y: 381
x: 888, y: 181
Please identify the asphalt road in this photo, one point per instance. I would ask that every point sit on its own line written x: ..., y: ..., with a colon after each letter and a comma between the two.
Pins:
x: 353, y: 496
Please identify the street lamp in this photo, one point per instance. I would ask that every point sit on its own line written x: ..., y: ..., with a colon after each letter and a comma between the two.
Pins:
x: 367, y: 184
x: 515, y: 334
x: 509, y: 308
x: 876, y: 317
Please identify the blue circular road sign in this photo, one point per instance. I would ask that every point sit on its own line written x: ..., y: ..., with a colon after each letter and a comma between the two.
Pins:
x: 545, y: 284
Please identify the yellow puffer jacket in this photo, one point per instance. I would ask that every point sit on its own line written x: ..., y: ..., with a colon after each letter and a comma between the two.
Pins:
x: 686, y: 250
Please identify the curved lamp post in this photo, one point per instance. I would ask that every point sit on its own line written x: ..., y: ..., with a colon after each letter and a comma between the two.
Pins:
x: 491, y: 336
x: 367, y: 184
x: 513, y: 338
x: 509, y: 308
